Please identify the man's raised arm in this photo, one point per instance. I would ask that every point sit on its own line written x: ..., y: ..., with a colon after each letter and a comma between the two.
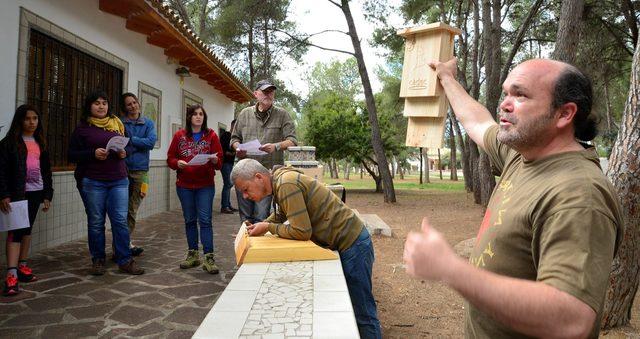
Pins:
x: 475, y: 118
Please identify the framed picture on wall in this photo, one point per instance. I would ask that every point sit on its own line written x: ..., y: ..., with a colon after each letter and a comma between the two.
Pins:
x: 175, y: 127
x: 188, y: 99
x: 151, y: 106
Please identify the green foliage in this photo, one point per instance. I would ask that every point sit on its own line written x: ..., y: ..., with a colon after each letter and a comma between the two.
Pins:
x: 342, y: 77
x: 337, y: 124
x: 255, y: 35
x: 332, y: 124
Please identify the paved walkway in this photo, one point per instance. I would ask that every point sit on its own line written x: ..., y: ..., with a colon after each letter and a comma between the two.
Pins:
x: 165, y: 302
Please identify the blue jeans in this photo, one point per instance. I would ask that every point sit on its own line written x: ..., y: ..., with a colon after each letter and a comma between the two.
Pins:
x: 110, y: 198
x: 196, y: 208
x: 357, y: 263
x: 253, y: 211
x: 226, y: 188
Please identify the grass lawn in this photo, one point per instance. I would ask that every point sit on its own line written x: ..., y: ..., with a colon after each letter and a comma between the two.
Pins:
x: 410, y: 182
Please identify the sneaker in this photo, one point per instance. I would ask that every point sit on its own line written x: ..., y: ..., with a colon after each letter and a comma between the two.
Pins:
x: 11, y: 286
x: 209, y: 264
x: 131, y: 267
x: 136, y: 251
x: 98, y: 267
x: 25, y: 274
x: 226, y: 210
x: 234, y: 209
x: 193, y: 259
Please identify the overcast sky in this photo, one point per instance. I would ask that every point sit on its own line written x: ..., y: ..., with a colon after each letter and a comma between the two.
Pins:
x: 318, y: 15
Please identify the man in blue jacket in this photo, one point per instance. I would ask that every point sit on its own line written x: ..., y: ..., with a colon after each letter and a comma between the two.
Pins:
x: 142, y: 132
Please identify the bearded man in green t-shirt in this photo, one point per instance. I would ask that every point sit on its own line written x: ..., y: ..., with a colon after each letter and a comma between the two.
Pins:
x: 542, y: 257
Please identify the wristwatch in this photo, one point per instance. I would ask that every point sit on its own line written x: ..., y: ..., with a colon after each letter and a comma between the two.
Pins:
x: 278, y: 146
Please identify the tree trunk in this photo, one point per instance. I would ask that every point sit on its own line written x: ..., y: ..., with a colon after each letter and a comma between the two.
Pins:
x: 347, y: 170
x: 624, y: 173
x: 376, y: 178
x: 568, y: 34
x: 475, y: 59
x: 607, y: 100
x: 421, y: 163
x: 361, y: 172
x: 474, y: 161
x: 440, y: 164
x: 332, y: 169
x: 393, y: 167
x: 467, y: 168
x: 491, y: 35
x: 252, y: 71
x: 427, y: 164
x: 487, y: 180
x: 202, y: 18
x: 376, y: 140
x: 453, y: 158
x: 266, y: 62
x: 628, y: 10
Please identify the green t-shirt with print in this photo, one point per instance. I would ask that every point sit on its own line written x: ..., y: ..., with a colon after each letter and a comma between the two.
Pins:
x: 556, y: 220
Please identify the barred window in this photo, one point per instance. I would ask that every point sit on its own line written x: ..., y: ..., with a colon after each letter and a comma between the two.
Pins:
x: 59, y: 78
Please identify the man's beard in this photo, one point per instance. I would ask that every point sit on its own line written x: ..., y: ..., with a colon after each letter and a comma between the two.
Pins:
x: 523, y: 135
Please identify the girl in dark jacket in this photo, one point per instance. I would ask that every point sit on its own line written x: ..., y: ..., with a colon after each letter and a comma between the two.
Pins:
x: 25, y: 174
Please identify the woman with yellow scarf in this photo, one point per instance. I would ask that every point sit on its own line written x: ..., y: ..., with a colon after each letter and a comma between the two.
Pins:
x: 101, y: 177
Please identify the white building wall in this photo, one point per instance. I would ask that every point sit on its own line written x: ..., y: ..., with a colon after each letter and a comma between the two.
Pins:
x: 99, y: 34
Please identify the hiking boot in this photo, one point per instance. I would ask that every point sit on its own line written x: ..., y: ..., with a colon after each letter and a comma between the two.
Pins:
x: 10, y: 286
x: 131, y: 268
x: 209, y: 264
x: 136, y: 251
x: 193, y: 259
x: 226, y: 210
x: 25, y: 274
x: 98, y: 267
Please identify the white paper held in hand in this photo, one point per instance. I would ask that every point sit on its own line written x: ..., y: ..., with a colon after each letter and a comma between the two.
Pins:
x: 17, y: 218
x: 201, y: 159
x: 117, y: 143
x: 252, y: 147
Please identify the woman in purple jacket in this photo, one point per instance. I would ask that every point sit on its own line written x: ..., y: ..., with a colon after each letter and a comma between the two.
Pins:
x: 101, y: 177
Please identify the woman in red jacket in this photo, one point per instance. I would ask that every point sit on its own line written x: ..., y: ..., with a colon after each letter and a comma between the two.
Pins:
x: 195, y: 183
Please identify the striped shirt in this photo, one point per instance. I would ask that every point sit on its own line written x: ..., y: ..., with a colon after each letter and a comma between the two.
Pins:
x: 272, y: 126
x: 314, y: 212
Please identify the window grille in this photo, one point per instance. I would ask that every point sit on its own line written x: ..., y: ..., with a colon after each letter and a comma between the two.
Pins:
x: 59, y: 78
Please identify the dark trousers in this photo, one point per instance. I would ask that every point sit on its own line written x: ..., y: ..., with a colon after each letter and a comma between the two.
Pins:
x: 34, y: 199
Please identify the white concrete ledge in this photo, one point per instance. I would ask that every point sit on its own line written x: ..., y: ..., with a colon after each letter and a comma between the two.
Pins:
x: 300, y: 299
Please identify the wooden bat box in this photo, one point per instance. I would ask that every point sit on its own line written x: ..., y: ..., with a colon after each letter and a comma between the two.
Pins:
x: 433, y: 107
x: 425, y: 132
x: 271, y: 248
x: 425, y: 103
x: 422, y: 44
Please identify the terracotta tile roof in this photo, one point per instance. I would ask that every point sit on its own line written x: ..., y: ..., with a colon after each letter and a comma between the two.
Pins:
x: 164, y: 28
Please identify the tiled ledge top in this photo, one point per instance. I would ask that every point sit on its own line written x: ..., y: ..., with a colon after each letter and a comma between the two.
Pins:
x: 300, y: 299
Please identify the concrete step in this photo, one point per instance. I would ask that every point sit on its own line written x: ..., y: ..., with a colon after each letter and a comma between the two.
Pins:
x: 375, y: 225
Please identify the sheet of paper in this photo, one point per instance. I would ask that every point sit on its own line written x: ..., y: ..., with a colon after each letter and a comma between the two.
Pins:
x: 201, y: 159
x: 252, y: 147
x: 117, y: 143
x: 17, y: 218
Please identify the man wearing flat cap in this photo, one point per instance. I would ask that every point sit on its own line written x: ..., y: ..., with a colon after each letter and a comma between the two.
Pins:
x: 273, y: 127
